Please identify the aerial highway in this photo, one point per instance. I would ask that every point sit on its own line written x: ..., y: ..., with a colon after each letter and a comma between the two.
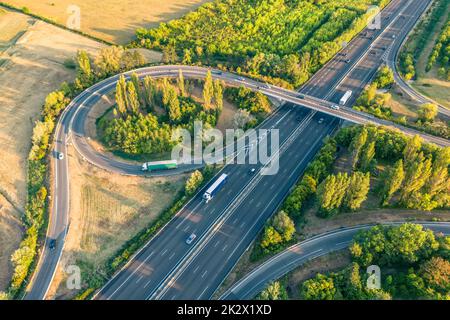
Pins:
x: 166, y: 267
x: 294, y: 256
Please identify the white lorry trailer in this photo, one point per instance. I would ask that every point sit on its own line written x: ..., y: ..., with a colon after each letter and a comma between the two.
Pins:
x: 215, y: 187
x: 345, y: 97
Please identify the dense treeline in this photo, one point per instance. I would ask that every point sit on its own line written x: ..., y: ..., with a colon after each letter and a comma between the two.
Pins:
x: 137, y: 128
x: 343, y: 191
x: 109, y: 61
x: 23, y: 258
x: 375, y: 103
x: 441, y: 52
x: 417, y: 174
x: 277, y: 40
x: 414, y: 265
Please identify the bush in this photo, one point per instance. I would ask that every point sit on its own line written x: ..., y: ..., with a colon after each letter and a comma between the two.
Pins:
x: 194, y: 182
x: 427, y: 112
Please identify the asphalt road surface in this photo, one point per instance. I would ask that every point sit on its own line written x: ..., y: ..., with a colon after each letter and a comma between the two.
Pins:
x: 164, y: 268
x: 279, y: 265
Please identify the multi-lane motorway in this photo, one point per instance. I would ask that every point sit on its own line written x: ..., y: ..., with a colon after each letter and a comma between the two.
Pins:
x: 279, y: 265
x: 167, y: 268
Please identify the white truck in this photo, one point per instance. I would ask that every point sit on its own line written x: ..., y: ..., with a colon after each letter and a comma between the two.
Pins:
x: 345, y: 97
x: 215, y: 187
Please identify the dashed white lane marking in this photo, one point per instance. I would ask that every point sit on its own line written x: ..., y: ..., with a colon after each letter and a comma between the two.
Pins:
x: 186, y: 228
x: 204, y: 274
x: 204, y: 290
x: 164, y: 252
x: 344, y: 242
x: 224, y: 247
x: 196, y: 269
x: 242, y: 225
x: 148, y: 282
x: 217, y: 243
x: 171, y: 256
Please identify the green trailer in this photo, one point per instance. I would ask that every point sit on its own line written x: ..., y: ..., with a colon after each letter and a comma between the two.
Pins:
x: 160, y: 165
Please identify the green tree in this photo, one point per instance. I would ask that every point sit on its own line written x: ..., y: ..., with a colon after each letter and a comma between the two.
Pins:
x: 284, y: 225
x: 172, y: 103
x: 169, y: 55
x: 439, y: 180
x: 393, y: 245
x: 417, y: 174
x: 412, y: 149
x: 320, y: 287
x: 385, y: 77
x: 273, y: 291
x: 331, y: 193
x: 393, y: 181
x: 270, y: 238
x: 132, y: 98
x: 187, y: 57
x: 149, y: 92
x: 357, y: 190
x: 181, y: 83
x: 194, y: 182
x: 367, y: 159
x: 137, y: 85
x: 218, y: 95
x: 353, y: 285
x: 108, y: 61
x: 121, y: 95
x: 357, y: 144
x: 371, y: 93
x: 208, y: 90
x: 427, y: 112
x: 131, y: 59
x: 84, y: 69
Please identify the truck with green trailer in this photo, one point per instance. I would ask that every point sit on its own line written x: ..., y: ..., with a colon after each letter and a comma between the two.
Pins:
x: 160, y: 165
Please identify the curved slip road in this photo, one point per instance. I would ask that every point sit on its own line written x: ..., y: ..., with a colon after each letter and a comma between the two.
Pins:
x: 279, y: 265
x: 162, y: 259
x: 392, y: 60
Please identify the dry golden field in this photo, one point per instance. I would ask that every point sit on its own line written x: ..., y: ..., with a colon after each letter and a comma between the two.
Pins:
x: 112, y: 20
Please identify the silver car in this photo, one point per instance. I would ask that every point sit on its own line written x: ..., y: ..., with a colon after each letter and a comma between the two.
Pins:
x: 191, y: 238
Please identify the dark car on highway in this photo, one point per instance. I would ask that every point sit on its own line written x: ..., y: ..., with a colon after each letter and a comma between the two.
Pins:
x: 52, y: 244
